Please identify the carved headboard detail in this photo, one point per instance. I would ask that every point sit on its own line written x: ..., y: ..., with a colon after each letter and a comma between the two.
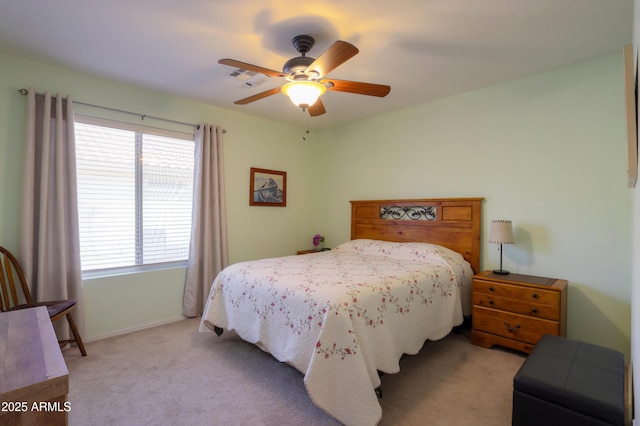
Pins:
x: 450, y: 222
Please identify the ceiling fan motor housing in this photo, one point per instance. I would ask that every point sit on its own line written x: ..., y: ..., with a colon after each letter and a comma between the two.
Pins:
x: 295, y: 67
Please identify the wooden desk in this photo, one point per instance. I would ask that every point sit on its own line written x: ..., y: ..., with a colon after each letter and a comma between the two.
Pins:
x: 34, y: 380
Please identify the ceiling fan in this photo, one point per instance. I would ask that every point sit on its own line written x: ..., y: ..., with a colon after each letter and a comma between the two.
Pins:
x: 306, y: 76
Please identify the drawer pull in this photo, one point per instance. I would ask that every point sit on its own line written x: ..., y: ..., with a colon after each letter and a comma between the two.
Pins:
x: 492, y: 289
x: 491, y: 302
x: 511, y: 329
x: 534, y: 310
x: 534, y: 295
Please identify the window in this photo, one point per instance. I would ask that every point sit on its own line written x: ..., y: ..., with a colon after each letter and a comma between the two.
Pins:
x: 134, y: 194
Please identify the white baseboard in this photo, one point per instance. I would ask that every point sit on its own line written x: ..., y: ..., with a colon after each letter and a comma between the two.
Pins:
x: 135, y: 328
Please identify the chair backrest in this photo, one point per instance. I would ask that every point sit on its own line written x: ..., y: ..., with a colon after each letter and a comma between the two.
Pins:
x: 13, y: 285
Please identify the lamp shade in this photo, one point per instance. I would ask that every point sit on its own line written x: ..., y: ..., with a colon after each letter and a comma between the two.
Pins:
x: 303, y: 93
x: 501, y: 232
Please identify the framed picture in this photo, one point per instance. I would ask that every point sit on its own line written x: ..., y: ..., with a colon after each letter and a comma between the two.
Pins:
x: 268, y: 188
x: 631, y: 100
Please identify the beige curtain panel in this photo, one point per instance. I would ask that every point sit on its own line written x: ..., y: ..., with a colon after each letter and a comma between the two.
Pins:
x: 49, y: 236
x: 208, y: 253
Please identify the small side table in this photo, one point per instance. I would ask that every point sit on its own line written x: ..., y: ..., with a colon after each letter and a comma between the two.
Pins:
x: 310, y: 251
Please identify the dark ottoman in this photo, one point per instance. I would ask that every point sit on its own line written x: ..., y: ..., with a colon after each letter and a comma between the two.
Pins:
x: 567, y: 382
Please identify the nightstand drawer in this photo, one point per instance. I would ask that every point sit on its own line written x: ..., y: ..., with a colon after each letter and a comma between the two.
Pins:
x: 531, y: 294
x: 492, y: 301
x: 537, y: 310
x: 512, y: 326
x: 493, y: 288
x: 544, y: 297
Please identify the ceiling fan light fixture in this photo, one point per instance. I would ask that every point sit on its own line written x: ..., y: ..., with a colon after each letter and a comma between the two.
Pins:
x: 303, y: 94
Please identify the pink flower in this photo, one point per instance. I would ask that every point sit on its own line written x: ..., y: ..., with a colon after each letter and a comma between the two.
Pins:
x: 317, y: 239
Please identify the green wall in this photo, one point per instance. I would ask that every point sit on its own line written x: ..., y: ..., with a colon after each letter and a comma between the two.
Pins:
x: 546, y: 151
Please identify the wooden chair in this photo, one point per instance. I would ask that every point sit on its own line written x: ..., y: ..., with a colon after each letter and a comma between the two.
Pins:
x: 10, y: 298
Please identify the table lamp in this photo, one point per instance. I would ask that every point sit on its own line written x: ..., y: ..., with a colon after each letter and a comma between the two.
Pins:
x: 501, y: 232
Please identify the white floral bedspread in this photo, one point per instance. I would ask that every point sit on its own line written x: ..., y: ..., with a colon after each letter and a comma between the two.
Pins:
x: 341, y: 316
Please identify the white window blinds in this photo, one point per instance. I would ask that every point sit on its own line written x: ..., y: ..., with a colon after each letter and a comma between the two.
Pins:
x: 134, y: 194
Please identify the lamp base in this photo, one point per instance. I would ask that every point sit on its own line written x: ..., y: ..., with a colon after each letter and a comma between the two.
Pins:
x: 500, y: 272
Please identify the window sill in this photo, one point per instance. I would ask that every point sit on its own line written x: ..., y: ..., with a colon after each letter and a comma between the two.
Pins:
x: 135, y: 269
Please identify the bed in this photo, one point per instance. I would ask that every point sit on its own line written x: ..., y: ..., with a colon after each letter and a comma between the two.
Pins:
x: 341, y: 317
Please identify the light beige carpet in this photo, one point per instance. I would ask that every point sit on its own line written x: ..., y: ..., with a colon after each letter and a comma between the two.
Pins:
x: 173, y: 375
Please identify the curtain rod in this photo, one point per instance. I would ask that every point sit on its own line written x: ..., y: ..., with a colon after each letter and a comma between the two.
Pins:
x: 25, y: 92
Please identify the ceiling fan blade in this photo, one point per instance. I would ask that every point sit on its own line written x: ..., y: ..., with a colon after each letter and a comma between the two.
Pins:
x: 250, y: 67
x: 258, y: 96
x: 368, y: 89
x: 337, y: 54
x: 317, y: 108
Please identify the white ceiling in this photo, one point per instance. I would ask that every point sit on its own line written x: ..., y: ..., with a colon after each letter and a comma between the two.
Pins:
x: 423, y: 49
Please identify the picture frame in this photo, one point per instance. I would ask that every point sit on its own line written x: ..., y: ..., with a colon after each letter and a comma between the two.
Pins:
x: 631, y: 102
x: 267, y: 188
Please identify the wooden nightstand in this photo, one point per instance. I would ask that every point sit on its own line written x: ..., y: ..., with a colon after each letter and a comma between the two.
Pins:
x: 516, y: 310
x: 312, y: 251
x: 307, y: 251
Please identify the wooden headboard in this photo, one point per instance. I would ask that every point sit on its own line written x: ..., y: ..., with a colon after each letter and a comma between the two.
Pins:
x: 450, y: 222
